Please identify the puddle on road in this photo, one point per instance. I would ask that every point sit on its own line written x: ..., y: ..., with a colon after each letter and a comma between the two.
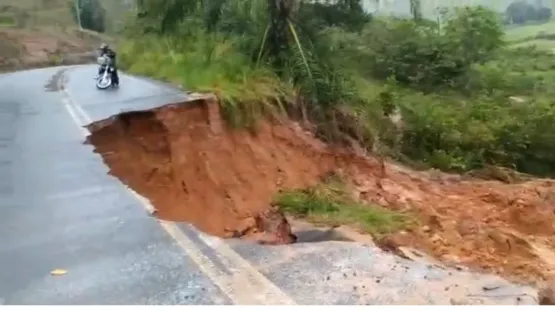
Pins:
x: 55, y: 82
x: 308, y: 233
x: 317, y: 235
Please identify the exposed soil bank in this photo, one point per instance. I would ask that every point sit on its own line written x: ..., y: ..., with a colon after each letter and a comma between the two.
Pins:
x: 26, y: 49
x: 194, y: 169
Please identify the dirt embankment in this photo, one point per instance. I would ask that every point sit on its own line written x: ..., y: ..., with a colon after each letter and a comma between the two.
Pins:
x: 195, y: 169
x: 31, y: 48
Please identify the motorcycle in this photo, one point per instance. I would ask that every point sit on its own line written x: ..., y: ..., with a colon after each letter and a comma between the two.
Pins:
x: 106, y: 77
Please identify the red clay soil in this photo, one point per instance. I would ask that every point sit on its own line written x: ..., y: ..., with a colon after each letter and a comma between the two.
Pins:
x: 194, y: 169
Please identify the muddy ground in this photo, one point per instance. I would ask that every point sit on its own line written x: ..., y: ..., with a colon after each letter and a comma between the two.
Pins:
x: 195, y: 169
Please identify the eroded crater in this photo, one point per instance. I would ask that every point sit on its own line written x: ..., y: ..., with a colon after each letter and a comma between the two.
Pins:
x: 194, y: 170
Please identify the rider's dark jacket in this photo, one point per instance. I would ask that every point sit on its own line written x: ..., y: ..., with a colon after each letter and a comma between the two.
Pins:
x: 111, y: 54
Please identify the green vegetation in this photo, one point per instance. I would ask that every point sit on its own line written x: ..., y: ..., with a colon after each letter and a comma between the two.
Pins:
x: 526, y: 32
x: 7, y: 20
x: 330, y: 203
x: 91, y: 14
x: 521, y: 11
x: 540, y: 35
x: 466, y: 99
x: 210, y: 65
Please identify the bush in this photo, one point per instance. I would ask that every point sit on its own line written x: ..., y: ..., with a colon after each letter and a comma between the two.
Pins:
x: 459, y: 135
x: 412, y: 53
x: 350, y: 16
x: 7, y: 20
x: 423, y: 54
x: 92, y: 15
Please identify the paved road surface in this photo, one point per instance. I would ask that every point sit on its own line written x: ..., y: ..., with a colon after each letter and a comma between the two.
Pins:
x: 60, y: 209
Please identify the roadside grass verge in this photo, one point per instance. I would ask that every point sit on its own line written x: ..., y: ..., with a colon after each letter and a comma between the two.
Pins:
x: 206, y: 63
x: 330, y: 203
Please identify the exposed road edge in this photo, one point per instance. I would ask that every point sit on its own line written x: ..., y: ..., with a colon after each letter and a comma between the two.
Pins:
x: 246, y: 286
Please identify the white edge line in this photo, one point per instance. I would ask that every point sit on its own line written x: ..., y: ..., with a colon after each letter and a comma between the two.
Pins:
x: 250, y: 277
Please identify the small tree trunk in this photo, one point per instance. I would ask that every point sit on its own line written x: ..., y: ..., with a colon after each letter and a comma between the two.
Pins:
x: 278, y: 34
x: 416, y: 9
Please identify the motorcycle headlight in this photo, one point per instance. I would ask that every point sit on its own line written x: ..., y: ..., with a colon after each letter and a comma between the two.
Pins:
x: 101, y: 60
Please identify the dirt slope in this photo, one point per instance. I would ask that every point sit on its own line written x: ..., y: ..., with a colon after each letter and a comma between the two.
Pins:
x: 48, y: 46
x: 194, y: 169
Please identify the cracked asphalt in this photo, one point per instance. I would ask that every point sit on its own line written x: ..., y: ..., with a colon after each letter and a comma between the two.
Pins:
x: 61, y: 210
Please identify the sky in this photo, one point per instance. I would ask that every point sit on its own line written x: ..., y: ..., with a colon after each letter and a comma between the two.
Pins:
x: 401, y: 7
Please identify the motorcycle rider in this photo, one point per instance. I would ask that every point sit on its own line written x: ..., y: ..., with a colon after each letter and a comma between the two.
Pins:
x: 105, y: 50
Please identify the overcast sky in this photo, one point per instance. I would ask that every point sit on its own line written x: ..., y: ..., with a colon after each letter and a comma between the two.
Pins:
x: 428, y: 6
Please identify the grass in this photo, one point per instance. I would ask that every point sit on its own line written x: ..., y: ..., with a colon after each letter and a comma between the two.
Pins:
x: 205, y: 63
x: 540, y: 44
x: 331, y: 203
x: 537, y: 35
x: 7, y: 20
x: 520, y: 33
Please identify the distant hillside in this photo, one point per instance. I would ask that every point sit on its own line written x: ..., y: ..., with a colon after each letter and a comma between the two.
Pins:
x: 35, y: 33
x: 401, y: 7
x: 29, y: 13
x: 57, y: 13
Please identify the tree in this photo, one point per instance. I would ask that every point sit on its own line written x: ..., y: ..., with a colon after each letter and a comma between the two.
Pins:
x: 280, y: 18
x: 475, y: 32
x: 520, y: 12
x: 416, y: 9
x: 543, y: 14
x: 347, y: 14
x: 91, y: 13
x: 416, y: 53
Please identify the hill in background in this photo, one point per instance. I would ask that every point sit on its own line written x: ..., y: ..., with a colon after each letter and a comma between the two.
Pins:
x: 44, y: 32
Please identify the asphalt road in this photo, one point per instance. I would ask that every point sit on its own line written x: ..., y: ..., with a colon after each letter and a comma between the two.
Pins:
x: 59, y: 209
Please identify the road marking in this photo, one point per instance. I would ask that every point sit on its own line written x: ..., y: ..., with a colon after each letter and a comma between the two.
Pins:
x: 246, y: 286
x: 84, y: 115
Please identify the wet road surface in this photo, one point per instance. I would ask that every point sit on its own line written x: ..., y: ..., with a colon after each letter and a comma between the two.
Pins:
x: 61, y: 210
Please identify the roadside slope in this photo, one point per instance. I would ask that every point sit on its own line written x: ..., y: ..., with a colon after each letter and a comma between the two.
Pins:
x: 23, y: 48
x: 193, y: 168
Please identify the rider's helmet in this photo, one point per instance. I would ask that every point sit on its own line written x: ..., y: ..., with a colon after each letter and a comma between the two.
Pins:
x: 104, y: 47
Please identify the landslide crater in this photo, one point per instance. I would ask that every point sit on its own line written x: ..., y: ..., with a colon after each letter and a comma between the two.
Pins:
x: 194, y: 169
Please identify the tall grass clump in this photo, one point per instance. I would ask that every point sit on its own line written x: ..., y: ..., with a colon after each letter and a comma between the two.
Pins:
x: 206, y: 62
x: 331, y: 203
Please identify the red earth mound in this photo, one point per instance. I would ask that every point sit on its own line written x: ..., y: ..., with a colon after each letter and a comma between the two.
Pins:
x: 195, y: 169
